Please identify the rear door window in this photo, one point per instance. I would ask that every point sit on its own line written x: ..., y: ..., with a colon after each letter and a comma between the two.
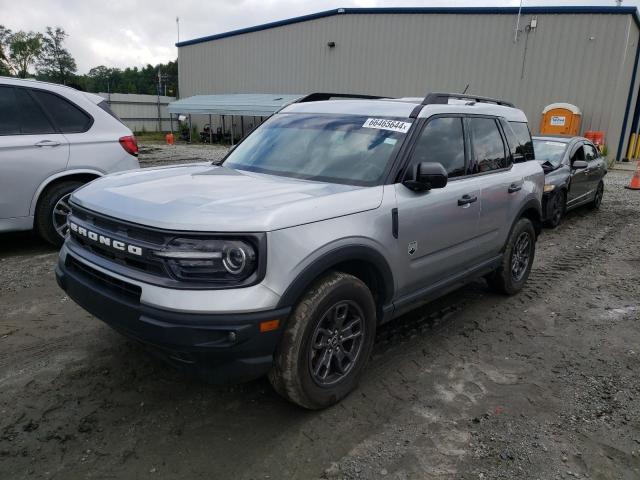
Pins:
x: 521, y: 129
x: 32, y: 119
x: 67, y: 117
x: 9, y: 119
x: 487, y: 148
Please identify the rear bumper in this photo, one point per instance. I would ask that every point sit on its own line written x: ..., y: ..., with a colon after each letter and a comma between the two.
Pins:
x: 218, y: 347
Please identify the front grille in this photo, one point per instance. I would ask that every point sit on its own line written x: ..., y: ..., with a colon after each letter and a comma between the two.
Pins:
x: 112, y: 284
x: 146, y: 238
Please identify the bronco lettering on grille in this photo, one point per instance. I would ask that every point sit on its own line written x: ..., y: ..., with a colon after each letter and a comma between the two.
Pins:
x: 103, y: 240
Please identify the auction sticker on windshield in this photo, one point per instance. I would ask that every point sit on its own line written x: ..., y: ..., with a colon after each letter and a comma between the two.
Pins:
x: 383, y: 124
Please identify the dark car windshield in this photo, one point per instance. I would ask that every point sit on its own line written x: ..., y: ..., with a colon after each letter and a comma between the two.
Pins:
x: 549, y: 151
x: 339, y: 149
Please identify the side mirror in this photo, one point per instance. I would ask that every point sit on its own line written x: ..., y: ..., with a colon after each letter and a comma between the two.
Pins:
x: 579, y: 164
x: 426, y: 175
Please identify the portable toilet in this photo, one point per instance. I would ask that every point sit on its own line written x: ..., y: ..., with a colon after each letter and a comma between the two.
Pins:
x: 560, y: 119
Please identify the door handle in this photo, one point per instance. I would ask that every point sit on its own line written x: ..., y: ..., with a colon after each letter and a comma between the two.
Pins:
x: 466, y: 200
x: 514, y: 187
x: 47, y: 143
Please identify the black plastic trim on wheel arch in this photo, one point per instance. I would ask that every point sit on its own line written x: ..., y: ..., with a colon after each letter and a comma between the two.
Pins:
x: 332, y: 258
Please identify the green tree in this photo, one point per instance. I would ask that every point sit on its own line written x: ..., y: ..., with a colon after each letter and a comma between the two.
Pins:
x: 55, y: 63
x: 5, y: 34
x: 24, y: 50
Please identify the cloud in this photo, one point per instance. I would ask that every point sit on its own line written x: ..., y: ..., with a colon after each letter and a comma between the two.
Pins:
x: 123, y: 33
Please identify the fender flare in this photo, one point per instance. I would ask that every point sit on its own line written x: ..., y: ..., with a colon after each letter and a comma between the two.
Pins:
x: 57, y: 176
x: 330, y: 259
x: 532, y: 203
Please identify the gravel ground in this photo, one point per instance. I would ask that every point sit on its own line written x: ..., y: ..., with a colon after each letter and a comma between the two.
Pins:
x: 158, y: 154
x: 541, y: 385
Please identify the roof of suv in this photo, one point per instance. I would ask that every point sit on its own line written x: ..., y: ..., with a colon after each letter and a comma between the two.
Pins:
x: 402, y: 108
x: 55, y: 87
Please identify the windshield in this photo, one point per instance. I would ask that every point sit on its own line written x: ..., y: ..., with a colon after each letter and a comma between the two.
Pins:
x: 339, y: 149
x: 549, y: 151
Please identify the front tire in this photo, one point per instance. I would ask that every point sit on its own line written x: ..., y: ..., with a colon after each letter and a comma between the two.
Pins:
x: 327, y: 342
x: 53, y: 208
x: 557, y: 209
x: 517, y: 260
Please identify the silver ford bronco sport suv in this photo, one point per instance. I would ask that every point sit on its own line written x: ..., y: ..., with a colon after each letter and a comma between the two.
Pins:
x: 334, y: 216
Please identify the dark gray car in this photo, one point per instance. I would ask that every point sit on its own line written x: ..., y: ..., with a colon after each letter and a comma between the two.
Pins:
x: 574, y: 173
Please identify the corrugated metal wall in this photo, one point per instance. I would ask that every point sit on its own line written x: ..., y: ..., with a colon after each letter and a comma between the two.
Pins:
x: 585, y: 59
x: 140, y: 112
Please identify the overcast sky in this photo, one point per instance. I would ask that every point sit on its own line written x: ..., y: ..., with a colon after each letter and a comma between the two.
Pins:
x: 121, y: 33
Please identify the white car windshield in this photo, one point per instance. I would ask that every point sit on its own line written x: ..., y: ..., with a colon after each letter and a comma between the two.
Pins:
x: 345, y: 149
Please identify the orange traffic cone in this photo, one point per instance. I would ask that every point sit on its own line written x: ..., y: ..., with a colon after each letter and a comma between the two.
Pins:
x: 635, y: 180
x: 169, y: 138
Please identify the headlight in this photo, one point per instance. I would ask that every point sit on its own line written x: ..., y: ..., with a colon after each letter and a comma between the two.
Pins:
x: 210, y: 260
x: 549, y: 188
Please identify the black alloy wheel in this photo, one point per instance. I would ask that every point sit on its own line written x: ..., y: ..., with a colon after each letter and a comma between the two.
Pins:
x: 336, y: 343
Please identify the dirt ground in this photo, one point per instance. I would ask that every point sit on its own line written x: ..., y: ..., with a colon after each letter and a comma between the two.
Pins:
x: 541, y: 385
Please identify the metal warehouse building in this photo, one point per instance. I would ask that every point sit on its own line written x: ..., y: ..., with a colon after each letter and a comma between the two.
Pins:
x: 587, y: 56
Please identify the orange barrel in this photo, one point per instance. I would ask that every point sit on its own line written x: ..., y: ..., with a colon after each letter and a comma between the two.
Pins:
x: 596, y: 137
x: 169, y: 138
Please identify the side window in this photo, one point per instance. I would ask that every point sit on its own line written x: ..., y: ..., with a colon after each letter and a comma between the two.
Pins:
x: 589, y: 152
x: 32, y: 118
x: 521, y: 129
x: 487, y: 147
x: 513, y: 144
x: 67, y: 117
x: 442, y: 141
x: 578, y: 154
x: 9, y: 120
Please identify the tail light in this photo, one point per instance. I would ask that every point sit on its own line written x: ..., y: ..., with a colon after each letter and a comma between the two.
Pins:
x: 130, y: 144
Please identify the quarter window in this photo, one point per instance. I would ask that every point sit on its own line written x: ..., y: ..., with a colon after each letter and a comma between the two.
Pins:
x: 521, y: 129
x: 32, y: 118
x: 442, y: 141
x: 9, y: 119
x: 488, y: 151
x: 67, y: 117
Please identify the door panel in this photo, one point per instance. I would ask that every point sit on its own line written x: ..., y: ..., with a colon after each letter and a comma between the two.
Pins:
x: 436, y: 236
x: 30, y: 151
x: 579, y: 186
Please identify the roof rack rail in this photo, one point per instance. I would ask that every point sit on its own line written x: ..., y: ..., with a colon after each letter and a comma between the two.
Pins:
x: 443, y: 98
x: 322, y: 96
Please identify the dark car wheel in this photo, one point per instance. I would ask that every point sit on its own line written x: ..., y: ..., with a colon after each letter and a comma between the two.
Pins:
x: 556, y: 209
x: 51, y: 213
x: 517, y: 260
x: 327, y: 342
x: 597, y: 199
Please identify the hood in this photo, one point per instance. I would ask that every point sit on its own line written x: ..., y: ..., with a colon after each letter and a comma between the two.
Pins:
x: 203, y: 197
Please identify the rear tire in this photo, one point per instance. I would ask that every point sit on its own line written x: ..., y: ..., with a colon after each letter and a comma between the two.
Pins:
x: 517, y: 260
x: 558, y: 208
x: 50, y: 221
x: 597, y: 200
x: 327, y: 342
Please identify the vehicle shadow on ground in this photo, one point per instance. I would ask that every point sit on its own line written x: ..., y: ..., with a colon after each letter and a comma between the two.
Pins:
x: 23, y: 243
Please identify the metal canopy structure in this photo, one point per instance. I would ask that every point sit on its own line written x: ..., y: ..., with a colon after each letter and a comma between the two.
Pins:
x: 241, y: 104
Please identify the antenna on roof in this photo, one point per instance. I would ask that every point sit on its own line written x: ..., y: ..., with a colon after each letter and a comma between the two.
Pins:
x: 465, y: 89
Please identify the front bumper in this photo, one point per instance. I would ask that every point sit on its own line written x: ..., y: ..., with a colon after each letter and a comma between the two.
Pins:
x: 217, y: 347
